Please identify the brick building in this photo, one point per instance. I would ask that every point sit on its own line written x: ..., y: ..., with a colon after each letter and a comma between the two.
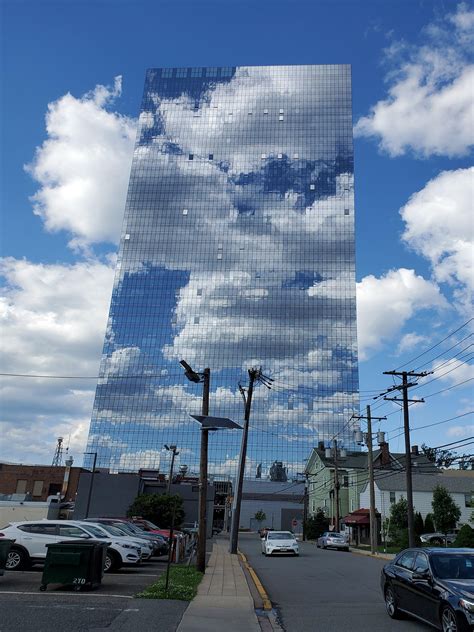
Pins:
x: 37, y: 482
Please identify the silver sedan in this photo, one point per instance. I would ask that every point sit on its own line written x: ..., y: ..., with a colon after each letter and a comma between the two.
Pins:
x: 332, y: 540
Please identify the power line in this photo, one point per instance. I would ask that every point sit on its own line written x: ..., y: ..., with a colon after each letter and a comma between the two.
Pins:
x: 435, y: 345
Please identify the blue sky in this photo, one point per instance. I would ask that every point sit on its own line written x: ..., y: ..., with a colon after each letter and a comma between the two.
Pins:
x: 68, y: 128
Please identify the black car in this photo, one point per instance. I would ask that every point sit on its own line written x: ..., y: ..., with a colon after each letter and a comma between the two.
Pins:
x: 434, y: 585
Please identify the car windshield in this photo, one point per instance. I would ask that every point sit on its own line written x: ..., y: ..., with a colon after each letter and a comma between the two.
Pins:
x: 280, y: 535
x: 335, y: 535
x: 97, y: 532
x: 453, y: 566
x: 114, y: 530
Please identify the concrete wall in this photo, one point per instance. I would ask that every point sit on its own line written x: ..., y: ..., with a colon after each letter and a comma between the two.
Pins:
x: 18, y: 511
x: 281, y: 502
x: 112, y: 494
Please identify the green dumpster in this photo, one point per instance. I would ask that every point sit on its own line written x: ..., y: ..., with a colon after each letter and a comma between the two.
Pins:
x: 5, y: 546
x: 75, y: 563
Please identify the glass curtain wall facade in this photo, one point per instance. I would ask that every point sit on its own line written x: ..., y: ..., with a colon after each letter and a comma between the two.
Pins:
x: 237, y: 251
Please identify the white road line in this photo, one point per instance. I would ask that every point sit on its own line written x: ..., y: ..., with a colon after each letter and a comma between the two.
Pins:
x: 66, y: 594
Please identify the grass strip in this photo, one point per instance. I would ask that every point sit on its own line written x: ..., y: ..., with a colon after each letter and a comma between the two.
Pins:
x: 183, y: 584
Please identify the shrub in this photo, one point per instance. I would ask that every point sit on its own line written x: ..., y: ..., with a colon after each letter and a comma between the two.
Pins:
x: 429, y: 524
x: 465, y: 537
x: 316, y: 525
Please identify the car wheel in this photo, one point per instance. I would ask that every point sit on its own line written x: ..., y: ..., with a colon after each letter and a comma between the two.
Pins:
x: 111, y: 562
x: 17, y: 560
x: 346, y: 549
x: 324, y: 547
x: 449, y: 621
x: 391, y: 603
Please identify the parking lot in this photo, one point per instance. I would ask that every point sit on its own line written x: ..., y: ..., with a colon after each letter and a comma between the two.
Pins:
x: 111, y: 606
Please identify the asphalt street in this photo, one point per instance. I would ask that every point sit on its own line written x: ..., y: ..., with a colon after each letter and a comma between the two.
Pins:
x: 112, y: 606
x: 326, y: 590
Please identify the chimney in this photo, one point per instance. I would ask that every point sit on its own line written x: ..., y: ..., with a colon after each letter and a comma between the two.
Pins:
x: 321, y: 446
x: 414, y: 450
x: 384, y: 454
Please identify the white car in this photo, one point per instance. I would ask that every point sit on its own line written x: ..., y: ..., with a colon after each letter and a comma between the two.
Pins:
x: 100, y: 531
x: 279, y: 542
x: 32, y: 537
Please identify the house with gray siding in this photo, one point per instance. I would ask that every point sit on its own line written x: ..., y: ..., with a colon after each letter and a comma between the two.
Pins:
x: 389, y: 489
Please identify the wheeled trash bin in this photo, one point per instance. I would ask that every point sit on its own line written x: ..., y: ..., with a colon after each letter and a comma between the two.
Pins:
x: 75, y: 563
x: 5, y: 546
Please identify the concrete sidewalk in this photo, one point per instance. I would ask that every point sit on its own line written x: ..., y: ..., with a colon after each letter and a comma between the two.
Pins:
x: 223, y: 601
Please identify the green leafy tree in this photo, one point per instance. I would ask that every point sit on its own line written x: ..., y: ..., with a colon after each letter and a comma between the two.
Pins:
x: 419, y: 526
x: 316, y: 524
x: 445, y: 511
x: 158, y: 508
x: 465, y: 537
x: 429, y: 524
x: 260, y: 516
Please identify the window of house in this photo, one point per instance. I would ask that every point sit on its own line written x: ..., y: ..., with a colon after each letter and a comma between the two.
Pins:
x: 392, y: 497
x: 199, y: 291
x: 21, y: 486
x: 191, y: 157
x: 281, y: 117
x: 196, y: 72
x: 219, y: 255
x: 211, y: 72
x: 182, y: 72
x: 185, y: 211
x: 196, y: 320
x: 211, y: 156
x: 346, y: 211
x: 345, y: 481
x: 468, y: 500
x: 166, y: 73
x: 312, y: 187
x: 265, y: 111
x: 38, y: 488
x: 296, y: 155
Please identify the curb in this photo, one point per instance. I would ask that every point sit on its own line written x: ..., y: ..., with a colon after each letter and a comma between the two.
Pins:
x: 379, y: 556
x: 267, y: 604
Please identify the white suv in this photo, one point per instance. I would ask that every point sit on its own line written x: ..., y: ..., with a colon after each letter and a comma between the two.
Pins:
x: 32, y: 537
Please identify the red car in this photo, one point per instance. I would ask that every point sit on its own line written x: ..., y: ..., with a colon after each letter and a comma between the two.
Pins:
x: 146, y: 525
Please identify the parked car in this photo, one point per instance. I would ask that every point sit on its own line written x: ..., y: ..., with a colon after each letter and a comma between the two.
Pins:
x: 31, y: 539
x: 279, y: 542
x: 112, y: 533
x: 332, y: 540
x: 433, y: 585
x: 439, y: 538
x: 129, y: 529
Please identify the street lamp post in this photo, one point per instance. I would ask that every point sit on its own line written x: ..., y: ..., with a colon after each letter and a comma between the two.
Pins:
x: 205, y: 378
x: 89, y: 495
x: 174, y: 453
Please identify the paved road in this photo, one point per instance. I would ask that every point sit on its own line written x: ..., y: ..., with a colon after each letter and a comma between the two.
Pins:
x: 324, y: 591
x: 111, y: 607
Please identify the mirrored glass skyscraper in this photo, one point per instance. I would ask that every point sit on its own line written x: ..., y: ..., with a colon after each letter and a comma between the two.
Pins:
x: 237, y: 251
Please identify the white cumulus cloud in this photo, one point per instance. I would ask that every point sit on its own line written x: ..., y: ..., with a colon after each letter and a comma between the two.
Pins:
x: 429, y: 106
x: 83, y: 167
x: 385, y: 304
x: 53, y: 319
x: 440, y: 226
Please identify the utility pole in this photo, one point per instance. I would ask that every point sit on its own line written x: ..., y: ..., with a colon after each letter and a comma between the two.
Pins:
x: 254, y: 375
x: 174, y: 453
x: 337, y: 485
x: 201, y: 552
x: 370, y: 456
x: 404, y: 386
x: 305, y: 505
x: 89, y: 495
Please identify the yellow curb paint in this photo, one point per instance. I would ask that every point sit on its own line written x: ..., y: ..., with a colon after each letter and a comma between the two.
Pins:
x: 267, y: 604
